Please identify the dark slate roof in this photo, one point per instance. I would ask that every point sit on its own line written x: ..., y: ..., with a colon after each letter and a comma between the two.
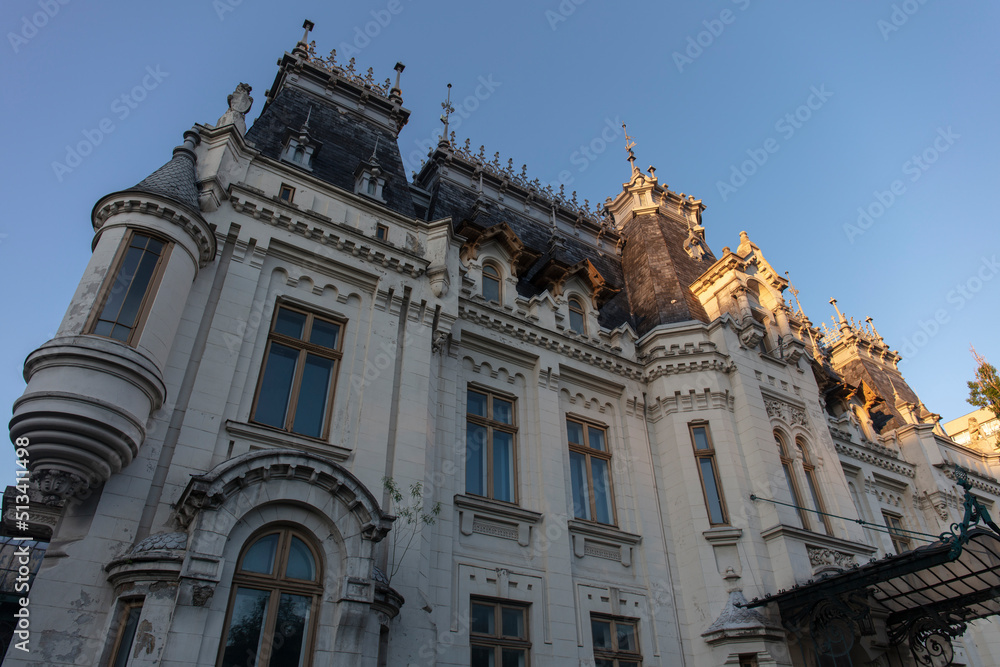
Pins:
x: 345, y: 139
x: 449, y: 199
x: 174, y: 180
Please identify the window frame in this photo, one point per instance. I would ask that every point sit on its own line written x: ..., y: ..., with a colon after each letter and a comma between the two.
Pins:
x: 382, y: 232
x: 285, y: 187
x: 276, y: 584
x: 898, y: 538
x: 616, y: 655
x: 152, y: 287
x: 499, y: 281
x: 491, y: 424
x: 709, y: 454
x: 126, y: 609
x: 809, y: 470
x: 304, y: 348
x: 788, y: 464
x: 579, y: 310
x: 498, y: 641
x: 589, y: 452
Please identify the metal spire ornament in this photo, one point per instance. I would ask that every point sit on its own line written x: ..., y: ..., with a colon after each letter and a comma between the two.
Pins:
x: 448, y: 110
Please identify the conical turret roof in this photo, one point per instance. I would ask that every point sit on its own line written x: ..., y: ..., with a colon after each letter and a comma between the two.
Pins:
x: 176, y: 179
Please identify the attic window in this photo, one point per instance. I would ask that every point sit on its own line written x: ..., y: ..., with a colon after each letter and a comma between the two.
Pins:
x: 299, y: 151
x: 576, y: 318
x: 286, y: 194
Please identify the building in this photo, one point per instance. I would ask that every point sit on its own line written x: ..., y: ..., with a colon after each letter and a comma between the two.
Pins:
x: 980, y: 429
x: 604, y: 443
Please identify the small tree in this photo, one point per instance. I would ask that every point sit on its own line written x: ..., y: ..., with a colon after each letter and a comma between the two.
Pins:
x: 984, y: 391
x: 411, y: 510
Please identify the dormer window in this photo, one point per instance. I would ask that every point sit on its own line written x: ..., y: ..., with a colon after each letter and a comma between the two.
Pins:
x: 491, y: 283
x: 299, y: 151
x: 577, y: 323
x: 300, y: 147
x: 369, y: 180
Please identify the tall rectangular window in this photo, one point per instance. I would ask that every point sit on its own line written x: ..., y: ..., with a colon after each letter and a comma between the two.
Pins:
x: 297, y: 382
x: 704, y: 453
x: 128, y: 621
x: 616, y: 641
x: 127, y: 296
x: 590, y: 471
x: 490, y: 446
x: 498, y: 634
x: 900, y: 539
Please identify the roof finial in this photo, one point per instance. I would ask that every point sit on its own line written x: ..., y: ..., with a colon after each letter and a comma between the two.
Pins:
x: 629, y: 145
x: 305, y: 125
x: 840, y: 315
x: 871, y: 324
x: 302, y: 48
x: 795, y: 292
x: 396, y: 90
x: 373, y: 158
x: 448, y: 110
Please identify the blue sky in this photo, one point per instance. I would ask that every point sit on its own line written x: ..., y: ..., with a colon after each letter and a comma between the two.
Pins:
x: 785, y: 118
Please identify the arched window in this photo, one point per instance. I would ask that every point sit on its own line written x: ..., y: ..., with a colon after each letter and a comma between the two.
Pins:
x: 577, y: 323
x: 491, y: 283
x: 274, y: 603
x: 786, y: 466
x: 297, y: 156
x: 810, y: 471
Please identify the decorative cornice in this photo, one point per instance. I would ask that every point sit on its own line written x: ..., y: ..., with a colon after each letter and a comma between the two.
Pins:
x: 343, y: 240
x: 210, y: 491
x: 133, y: 201
x: 878, y: 458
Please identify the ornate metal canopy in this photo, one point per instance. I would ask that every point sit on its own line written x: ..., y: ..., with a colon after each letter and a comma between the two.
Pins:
x: 926, y: 596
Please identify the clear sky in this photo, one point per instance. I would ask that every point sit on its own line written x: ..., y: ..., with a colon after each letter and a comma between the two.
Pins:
x: 784, y: 117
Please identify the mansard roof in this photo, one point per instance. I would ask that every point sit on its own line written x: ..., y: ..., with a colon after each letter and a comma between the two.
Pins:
x: 449, y: 199
x: 347, y: 139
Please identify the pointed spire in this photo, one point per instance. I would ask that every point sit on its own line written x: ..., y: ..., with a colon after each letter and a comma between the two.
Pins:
x: 840, y: 316
x: 795, y: 293
x: 448, y: 110
x: 302, y: 48
x: 629, y: 145
x: 396, y: 91
x: 871, y: 325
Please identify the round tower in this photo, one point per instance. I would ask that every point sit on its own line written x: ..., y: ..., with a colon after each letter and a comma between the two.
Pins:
x: 92, y: 388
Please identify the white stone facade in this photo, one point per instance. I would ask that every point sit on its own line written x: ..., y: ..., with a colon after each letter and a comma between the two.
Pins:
x: 162, y: 520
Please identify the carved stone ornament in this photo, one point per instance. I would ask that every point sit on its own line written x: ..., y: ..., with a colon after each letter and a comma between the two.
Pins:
x: 239, y: 104
x: 821, y: 557
x: 201, y: 594
x: 789, y: 413
x: 57, y: 485
x: 751, y: 336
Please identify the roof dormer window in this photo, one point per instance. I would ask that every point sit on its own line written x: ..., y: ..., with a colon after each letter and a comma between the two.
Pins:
x: 369, y: 179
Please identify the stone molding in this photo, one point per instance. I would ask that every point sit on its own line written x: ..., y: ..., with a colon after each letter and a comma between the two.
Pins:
x: 210, y: 491
x: 601, y: 541
x: 144, y: 203
x: 79, y: 439
x: 489, y: 517
x: 273, y: 438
